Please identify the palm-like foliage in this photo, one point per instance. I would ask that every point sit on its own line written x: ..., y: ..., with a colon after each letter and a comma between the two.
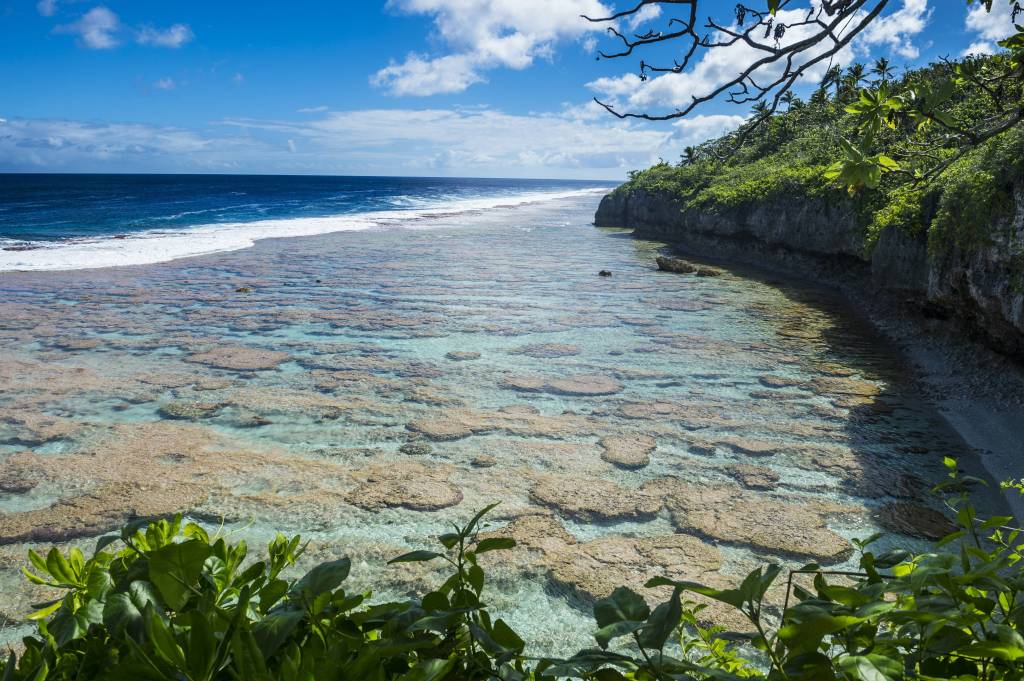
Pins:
x: 883, y: 70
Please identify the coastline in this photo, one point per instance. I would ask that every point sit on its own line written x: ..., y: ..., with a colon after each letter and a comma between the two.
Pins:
x: 976, y: 390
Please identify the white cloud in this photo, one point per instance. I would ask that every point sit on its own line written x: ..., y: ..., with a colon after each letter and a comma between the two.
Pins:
x: 312, y: 109
x: 720, y: 65
x: 693, y: 130
x: 173, y: 36
x: 165, y: 84
x: 646, y: 14
x: 898, y: 30
x: 97, y: 29
x: 483, y: 35
x: 47, y: 7
x: 979, y: 48
x: 420, y: 77
x: 990, y: 27
x: 478, y: 142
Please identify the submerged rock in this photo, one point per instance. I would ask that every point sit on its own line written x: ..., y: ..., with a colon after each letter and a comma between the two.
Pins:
x: 754, y: 477
x: 189, y: 410
x: 733, y: 515
x: 416, y: 449
x: 593, y: 499
x: 580, y: 385
x: 440, y: 429
x: 406, y: 485
x: 628, y: 451
x: 547, y: 350
x: 461, y: 356
x: 239, y: 358
x: 750, y: 446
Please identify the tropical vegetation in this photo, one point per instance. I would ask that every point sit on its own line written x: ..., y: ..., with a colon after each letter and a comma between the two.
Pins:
x: 168, y: 600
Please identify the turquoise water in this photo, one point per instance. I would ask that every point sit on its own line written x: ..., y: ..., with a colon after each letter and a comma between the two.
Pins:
x: 137, y: 391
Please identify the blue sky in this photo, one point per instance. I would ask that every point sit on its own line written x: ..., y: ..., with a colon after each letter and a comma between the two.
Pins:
x: 406, y: 87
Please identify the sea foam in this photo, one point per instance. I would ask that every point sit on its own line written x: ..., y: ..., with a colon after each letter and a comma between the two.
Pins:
x: 161, y: 245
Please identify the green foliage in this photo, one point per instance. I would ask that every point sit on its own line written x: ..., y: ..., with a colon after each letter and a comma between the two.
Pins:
x: 175, y: 603
x: 871, y: 148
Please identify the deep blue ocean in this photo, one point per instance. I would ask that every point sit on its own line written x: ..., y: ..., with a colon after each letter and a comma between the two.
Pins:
x: 154, y: 217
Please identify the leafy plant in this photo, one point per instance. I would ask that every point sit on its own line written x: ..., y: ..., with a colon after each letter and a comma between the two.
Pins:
x: 176, y: 603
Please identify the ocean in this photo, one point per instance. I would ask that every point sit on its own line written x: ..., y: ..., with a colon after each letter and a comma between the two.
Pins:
x: 55, y: 222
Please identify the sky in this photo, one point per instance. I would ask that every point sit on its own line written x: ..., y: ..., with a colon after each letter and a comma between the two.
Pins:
x: 478, y: 88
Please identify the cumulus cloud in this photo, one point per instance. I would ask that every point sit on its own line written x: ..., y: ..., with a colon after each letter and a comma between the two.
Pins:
x: 173, y: 36
x: 990, y: 27
x: 477, y: 142
x: 97, y: 29
x: 47, y: 7
x: 717, y: 66
x: 898, y: 30
x: 483, y: 35
x: 693, y: 130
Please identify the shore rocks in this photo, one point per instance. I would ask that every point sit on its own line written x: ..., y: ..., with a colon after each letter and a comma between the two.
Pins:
x: 580, y: 385
x: 406, y: 485
x: 416, y: 449
x: 754, y: 477
x: 732, y: 515
x: 666, y: 264
x: 593, y: 499
x: 750, y: 446
x: 440, y: 429
x: 628, y: 451
x: 462, y: 356
x: 189, y: 410
x: 547, y: 350
x: 239, y: 358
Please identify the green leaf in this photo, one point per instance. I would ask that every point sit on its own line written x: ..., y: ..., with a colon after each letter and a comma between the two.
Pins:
x: 871, y: 667
x: 273, y: 630
x: 614, y: 630
x: 415, y: 557
x: 623, y: 605
x: 123, y: 611
x: 662, y: 622
x: 495, y: 544
x: 162, y: 639
x: 175, y: 569
x: 324, y: 577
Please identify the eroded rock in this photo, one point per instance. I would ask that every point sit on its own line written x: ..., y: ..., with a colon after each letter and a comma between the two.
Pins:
x: 406, y: 485
x: 628, y: 451
x: 239, y: 358
x: 733, y: 515
x: 593, y: 499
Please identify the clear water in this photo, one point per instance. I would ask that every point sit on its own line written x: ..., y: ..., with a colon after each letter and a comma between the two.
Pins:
x: 96, y: 364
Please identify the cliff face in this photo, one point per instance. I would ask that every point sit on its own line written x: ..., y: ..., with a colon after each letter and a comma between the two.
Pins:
x: 983, y: 288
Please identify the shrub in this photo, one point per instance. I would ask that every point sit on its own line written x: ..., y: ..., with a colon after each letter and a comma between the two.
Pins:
x: 175, y: 603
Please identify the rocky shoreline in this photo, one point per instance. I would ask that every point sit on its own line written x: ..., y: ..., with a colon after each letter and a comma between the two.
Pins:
x: 982, y: 290
x: 958, y: 319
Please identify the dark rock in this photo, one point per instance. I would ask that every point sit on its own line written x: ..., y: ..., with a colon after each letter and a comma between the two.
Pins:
x: 675, y: 265
x: 604, y: 273
x: 416, y: 449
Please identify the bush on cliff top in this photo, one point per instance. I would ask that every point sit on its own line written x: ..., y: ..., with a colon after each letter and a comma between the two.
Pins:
x: 173, y: 602
x: 787, y: 156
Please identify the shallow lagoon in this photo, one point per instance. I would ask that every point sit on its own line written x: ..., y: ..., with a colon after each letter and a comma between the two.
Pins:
x: 280, y: 388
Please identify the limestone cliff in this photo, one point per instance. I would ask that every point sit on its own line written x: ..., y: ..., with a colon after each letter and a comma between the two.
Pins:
x: 983, y: 287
